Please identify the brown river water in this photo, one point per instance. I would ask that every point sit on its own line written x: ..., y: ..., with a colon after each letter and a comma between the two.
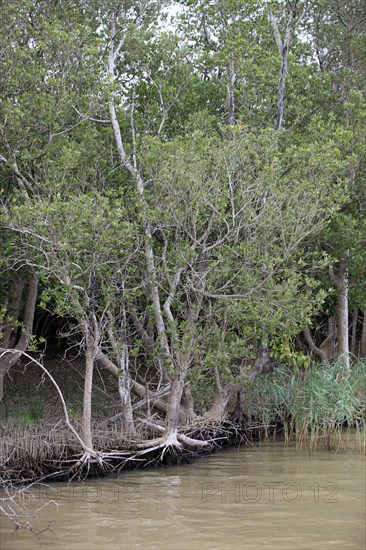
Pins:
x: 267, y: 496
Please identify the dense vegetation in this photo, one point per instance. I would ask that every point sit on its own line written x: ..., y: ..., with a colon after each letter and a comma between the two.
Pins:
x: 183, y: 203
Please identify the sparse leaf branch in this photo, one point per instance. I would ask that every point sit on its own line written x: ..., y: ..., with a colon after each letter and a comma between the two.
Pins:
x: 125, y: 161
x: 133, y: 131
x: 283, y: 48
x: 87, y: 117
x: 25, y: 186
x: 276, y: 32
x: 137, y: 177
x: 165, y: 106
x: 172, y: 290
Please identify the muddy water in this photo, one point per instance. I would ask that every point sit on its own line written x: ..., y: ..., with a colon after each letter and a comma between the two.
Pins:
x: 261, y: 497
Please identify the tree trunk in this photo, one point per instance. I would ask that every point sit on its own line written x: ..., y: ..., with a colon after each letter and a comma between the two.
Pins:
x: 283, y: 48
x: 124, y: 389
x: 363, y: 336
x: 8, y: 359
x: 354, y: 332
x: 342, y: 314
x: 131, y: 166
x: 88, y: 387
x: 261, y: 362
x: 329, y: 344
x: 175, y: 395
x: 216, y: 412
x: 186, y: 412
x: 12, y: 314
x: 230, y: 101
x: 136, y: 388
x: 318, y: 352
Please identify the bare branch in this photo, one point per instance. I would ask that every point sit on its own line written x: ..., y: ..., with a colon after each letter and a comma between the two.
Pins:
x: 275, y: 30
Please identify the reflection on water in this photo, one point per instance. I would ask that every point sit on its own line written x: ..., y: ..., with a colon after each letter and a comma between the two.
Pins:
x: 262, y: 497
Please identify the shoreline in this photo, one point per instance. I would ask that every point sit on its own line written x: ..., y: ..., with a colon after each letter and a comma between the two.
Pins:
x: 34, y: 458
x: 28, y: 468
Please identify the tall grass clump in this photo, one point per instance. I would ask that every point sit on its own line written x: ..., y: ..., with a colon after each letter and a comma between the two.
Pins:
x: 313, y: 405
x: 30, y: 413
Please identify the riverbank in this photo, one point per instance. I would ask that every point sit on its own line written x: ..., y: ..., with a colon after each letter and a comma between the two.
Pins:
x: 37, y: 443
x: 309, y: 407
x: 42, y: 450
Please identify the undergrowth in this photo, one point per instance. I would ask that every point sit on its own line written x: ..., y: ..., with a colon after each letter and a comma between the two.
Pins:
x: 312, y: 406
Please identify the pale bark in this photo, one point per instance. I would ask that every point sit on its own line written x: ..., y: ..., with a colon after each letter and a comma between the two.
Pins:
x: 124, y: 389
x: 88, y: 387
x: 230, y: 98
x: 9, y: 359
x: 123, y: 372
x: 136, y: 388
x: 124, y: 379
x: 140, y: 186
x: 342, y: 313
x: 175, y: 395
x: 283, y: 48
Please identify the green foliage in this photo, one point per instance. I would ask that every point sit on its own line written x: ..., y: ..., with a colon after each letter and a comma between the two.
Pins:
x: 29, y: 414
x: 244, y: 223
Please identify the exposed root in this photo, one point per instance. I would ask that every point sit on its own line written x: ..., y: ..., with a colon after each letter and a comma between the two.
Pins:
x: 174, y: 439
x: 89, y: 458
x: 192, y: 442
x: 38, y: 451
x: 151, y: 444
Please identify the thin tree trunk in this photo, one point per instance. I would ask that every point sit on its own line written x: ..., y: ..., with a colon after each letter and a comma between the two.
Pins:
x: 88, y: 387
x: 261, y: 362
x: 363, y: 336
x: 138, y: 389
x: 131, y: 166
x: 342, y: 313
x: 230, y: 99
x: 123, y: 372
x: 321, y: 354
x: 329, y: 344
x: 7, y: 360
x: 124, y: 380
x: 283, y: 48
x: 12, y: 314
x: 216, y: 412
x: 175, y: 396
x: 354, y: 332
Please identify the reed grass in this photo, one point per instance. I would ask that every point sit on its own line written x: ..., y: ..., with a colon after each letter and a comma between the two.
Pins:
x: 314, y: 406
